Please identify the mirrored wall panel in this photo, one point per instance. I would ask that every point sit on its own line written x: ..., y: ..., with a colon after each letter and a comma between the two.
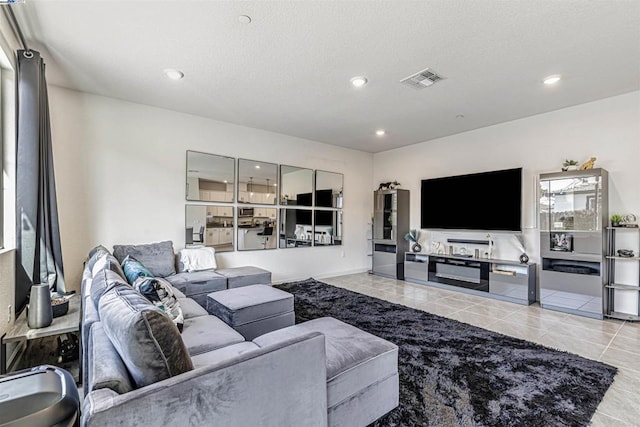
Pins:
x: 257, y: 229
x: 296, y: 229
x: 257, y: 182
x: 328, y: 228
x: 296, y: 186
x: 209, y: 225
x: 329, y: 189
x: 210, y: 178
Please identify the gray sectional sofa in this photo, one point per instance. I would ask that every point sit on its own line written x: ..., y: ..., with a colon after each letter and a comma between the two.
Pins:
x: 139, y: 369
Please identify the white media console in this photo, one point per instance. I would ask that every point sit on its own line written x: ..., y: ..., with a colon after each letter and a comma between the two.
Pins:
x: 501, y: 279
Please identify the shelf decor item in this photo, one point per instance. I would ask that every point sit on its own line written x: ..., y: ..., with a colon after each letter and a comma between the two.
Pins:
x: 616, y: 220
x: 589, y: 164
x: 39, y: 312
x: 569, y: 165
x: 524, y: 258
x: 413, y: 236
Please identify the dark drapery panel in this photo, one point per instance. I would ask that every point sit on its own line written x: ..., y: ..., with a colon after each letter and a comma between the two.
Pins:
x: 39, y: 254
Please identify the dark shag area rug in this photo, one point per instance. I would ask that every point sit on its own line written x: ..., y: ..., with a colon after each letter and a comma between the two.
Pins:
x: 455, y: 374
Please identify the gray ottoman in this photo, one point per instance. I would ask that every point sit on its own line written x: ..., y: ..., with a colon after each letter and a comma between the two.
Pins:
x: 252, y: 310
x: 245, y: 276
x: 362, y: 370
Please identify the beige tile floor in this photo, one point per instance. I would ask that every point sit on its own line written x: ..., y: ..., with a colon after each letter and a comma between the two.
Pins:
x: 614, y: 342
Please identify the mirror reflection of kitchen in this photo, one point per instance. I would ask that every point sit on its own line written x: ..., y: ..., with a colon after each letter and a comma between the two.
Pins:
x: 209, y: 225
x: 210, y: 178
x: 257, y: 182
x: 256, y: 227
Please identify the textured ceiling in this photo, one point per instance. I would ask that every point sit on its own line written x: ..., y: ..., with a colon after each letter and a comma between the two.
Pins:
x: 288, y: 70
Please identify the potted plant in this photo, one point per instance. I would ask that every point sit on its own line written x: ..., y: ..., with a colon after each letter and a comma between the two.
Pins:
x: 569, y: 165
x: 616, y: 220
x: 413, y: 236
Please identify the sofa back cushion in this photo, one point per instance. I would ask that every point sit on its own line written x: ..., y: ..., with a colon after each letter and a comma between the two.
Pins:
x: 158, y: 258
x: 96, y: 253
x: 102, y: 280
x: 145, y: 337
x: 108, y: 262
x: 105, y: 367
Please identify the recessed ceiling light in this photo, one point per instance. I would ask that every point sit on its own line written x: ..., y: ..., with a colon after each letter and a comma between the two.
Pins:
x: 381, y: 132
x: 244, y: 19
x: 275, y: 185
x: 173, y: 74
x: 225, y: 181
x: 551, y: 80
x: 257, y: 166
x: 359, y: 81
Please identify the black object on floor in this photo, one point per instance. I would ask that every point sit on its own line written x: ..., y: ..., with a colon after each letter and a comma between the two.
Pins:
x: 455, y: 374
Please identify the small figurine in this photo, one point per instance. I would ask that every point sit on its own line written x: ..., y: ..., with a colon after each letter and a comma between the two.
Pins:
x: 388, y: 185
x: 588, y: 164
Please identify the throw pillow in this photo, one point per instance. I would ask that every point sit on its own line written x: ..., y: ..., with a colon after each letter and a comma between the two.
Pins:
x: 95, y: 254
x: 143, y: 335
x: 157, y: 257
x: 134, y: 269
x: 109, y: 262
x: 197, y: 259
x: 160, y: 293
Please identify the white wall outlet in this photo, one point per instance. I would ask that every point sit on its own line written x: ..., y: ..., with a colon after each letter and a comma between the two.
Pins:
x: 342, y: 254
x: 9, y: 314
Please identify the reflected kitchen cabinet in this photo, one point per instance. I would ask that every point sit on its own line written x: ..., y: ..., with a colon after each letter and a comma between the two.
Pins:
x: 257, y: 182
x: 256, y: 229
x: 210, y: 177
x: 210, y: 226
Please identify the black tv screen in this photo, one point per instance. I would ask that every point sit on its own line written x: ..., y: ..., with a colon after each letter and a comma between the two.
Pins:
x: 479, y: 201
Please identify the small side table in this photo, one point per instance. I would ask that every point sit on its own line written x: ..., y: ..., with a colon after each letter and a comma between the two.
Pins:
x: 20, y: 330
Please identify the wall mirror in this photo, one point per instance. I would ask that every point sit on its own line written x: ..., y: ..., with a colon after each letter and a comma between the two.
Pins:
x: 209, y: 225
x: 257, y: 228
x: 296, y: 229
x: 328, y: 228
x: 257, y: 182
x: 329, y: 189
x: 296, y: 186
x: 210, y: 178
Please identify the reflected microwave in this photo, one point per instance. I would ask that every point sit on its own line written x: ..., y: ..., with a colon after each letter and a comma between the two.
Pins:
x: 245, y: 212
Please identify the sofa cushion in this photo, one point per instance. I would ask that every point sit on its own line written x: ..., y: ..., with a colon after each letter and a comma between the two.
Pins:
x: 206, y: 333
x: 158, y: 258
x: 190, y: 308
x: 160, y: 293
x: 145, y: 337
x: 101, y: 282
x: 198, y: 259
x: 95, y: 254
x: 109, y: 262
x: 245, y: 276
x: 222, y: 354
x: 106, y: 368
x: 198, y: 282
x: 133, y: 269
x: 355, y: 359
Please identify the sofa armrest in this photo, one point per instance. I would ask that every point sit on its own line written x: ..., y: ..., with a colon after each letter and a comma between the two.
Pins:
x: 280, y: 384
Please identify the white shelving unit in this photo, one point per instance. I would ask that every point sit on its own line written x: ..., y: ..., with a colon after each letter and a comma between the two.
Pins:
x: 612, y: 286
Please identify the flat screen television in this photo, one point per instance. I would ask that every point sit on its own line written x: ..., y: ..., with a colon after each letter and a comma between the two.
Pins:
x: 481, y: 201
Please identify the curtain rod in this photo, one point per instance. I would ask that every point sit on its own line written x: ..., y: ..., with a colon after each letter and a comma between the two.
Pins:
x: 15, y: 27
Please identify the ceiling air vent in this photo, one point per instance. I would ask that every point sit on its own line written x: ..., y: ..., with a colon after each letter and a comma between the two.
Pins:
x: 422, y: 79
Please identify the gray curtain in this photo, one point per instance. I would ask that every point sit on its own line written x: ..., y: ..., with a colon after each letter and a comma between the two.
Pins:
x: 39, y: 255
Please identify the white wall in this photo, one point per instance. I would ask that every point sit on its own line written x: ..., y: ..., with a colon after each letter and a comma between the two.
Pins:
x: 608, y: 129
x: 120, y: 175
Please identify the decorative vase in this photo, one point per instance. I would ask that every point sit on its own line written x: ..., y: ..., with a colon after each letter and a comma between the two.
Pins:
x: 615, y: 224
x: 39, y: 312
x: 416, y: 247
x: 524, y: 258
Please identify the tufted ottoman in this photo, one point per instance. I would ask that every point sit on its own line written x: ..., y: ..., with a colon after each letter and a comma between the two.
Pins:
x: 252, y: 310
x: 245, y: 276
